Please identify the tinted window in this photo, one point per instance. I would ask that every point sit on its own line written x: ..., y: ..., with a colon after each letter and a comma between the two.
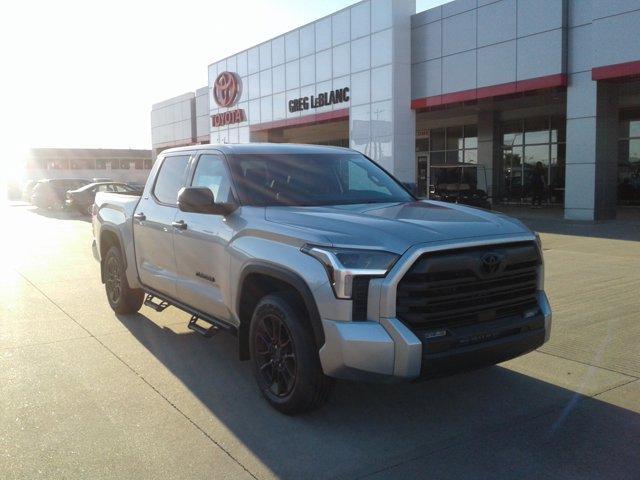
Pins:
x: 313, y: 179
x: 171, y: 178
x: 212, y: 174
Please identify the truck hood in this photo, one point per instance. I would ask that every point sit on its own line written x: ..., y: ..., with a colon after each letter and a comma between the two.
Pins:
x: 395, y: 227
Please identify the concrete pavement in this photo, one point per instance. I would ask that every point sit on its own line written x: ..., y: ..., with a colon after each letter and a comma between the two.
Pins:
x: 87, y: 394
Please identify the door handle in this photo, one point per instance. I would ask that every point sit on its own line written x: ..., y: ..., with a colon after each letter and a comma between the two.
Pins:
x: 180, y: 225
x: 140, y: 216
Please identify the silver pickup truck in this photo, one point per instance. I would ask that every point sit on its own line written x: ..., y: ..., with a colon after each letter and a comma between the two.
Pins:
x: 323, y: 265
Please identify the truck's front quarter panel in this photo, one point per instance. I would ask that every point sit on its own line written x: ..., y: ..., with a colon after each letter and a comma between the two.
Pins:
x: 115, y: 219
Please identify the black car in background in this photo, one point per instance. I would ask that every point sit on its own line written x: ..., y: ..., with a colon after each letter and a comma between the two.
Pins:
x: 51, y: 193
x: 82, y: 198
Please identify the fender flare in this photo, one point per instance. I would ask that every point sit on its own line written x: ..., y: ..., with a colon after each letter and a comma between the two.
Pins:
x: 118, y: 234
x: 296, y: 281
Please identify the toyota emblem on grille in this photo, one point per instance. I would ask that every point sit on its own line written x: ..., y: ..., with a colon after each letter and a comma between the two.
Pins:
x: 491, y: 263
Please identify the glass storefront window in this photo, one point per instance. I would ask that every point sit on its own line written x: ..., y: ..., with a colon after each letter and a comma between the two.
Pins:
x: 558, y: 129
x: 422, y: 144
x: 454, y: 138
x: 512, y: 134
x: 471, y: 156
x: 629, y: 158
x: 437, y: 139
x: 437, y: 158
x: 527, y: 143
x: 444, y: 146
x: 470, y: 136
x: 452, y: 156
x: 536, y: 131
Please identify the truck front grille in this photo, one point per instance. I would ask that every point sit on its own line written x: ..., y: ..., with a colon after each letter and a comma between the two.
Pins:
x: 464, y: 286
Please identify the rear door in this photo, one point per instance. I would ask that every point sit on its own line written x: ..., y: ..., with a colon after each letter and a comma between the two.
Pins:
x: 201, y: 243
x: 152, y: 225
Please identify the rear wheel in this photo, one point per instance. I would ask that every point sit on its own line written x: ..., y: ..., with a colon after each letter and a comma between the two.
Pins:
x: 285, y: 356
x: 122, y: 298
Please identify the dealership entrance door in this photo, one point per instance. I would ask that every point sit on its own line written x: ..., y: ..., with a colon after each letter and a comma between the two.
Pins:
x: 334, y: 132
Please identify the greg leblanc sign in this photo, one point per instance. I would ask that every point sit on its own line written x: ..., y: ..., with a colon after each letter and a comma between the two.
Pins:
x: 333, y: 97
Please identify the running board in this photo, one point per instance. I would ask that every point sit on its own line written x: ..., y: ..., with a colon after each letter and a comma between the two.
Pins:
x: 158, y: 307
x: 206, y: 332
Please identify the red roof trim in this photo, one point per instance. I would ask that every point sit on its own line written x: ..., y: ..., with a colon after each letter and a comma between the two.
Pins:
x: 618, y: 70
x: 304, y: 120
x: 539, y: 83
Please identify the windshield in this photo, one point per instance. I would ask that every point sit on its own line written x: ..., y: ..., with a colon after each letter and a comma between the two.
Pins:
x: 312, y: 179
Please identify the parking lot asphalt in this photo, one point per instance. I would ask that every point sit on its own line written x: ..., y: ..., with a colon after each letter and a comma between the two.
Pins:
x: 87, y: 394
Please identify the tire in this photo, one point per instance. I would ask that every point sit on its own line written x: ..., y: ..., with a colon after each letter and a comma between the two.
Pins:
x: 286, y: 365
x: 122, y: 298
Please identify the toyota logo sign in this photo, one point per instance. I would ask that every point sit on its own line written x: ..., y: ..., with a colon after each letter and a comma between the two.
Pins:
x: 226, y: 89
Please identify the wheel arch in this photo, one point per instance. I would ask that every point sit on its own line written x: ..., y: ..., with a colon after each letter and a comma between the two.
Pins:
x: 261, y: 278
x: 110, y: 237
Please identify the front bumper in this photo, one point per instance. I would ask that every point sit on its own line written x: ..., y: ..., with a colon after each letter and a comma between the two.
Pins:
x: 389, y: 351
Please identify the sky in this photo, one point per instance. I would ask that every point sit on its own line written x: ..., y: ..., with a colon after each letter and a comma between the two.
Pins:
x: 85, y: 73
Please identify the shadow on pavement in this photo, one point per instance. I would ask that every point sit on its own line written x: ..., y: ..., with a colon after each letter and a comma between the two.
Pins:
x: 60, y: 214
x: 551, y: 220
x: 493, y: 423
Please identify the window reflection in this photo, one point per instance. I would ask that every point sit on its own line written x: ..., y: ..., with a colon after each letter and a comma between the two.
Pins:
x: 629, y: 158
x: 455, y: 145
x: 527, y: 143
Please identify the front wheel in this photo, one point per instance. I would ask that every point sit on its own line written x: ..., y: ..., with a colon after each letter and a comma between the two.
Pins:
x: 285, y: 356
x: 122, y: 298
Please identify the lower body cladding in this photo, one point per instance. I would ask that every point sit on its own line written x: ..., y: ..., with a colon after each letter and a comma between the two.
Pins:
x: 389, y: 351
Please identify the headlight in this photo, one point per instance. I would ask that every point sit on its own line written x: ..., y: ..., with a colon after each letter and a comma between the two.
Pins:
x: 342, y: 264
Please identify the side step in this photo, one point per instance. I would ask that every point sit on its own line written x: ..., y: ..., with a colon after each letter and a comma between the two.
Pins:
x: 158, y: 307
x: 207, y: 332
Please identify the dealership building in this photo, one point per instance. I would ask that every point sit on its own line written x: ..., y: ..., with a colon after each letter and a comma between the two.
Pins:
x: 483, y: 94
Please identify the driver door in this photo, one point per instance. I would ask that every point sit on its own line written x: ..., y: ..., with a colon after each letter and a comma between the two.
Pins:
x: 200, y: 245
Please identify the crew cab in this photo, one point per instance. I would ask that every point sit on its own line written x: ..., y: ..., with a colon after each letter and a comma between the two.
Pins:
x: 323, y: 265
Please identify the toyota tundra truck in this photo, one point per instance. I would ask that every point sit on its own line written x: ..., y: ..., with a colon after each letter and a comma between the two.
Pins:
x: 323, y: 266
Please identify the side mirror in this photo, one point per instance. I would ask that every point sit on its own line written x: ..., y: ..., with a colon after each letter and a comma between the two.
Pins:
x: 201, y: 200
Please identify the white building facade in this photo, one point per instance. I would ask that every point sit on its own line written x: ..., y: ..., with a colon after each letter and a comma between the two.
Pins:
x: 501, y: 87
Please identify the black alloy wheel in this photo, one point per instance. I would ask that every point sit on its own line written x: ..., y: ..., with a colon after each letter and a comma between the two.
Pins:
x: 122, y: 298
x: 113, y: 279
x: 276, y: 357
x: 285, y: 357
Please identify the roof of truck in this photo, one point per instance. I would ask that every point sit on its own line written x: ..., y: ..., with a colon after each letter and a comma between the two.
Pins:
x: 260, y: 148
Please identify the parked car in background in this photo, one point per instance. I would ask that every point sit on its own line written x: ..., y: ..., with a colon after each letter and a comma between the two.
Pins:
x: 27, y: 190
x: 51, y: 193
x: 82, y: 198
